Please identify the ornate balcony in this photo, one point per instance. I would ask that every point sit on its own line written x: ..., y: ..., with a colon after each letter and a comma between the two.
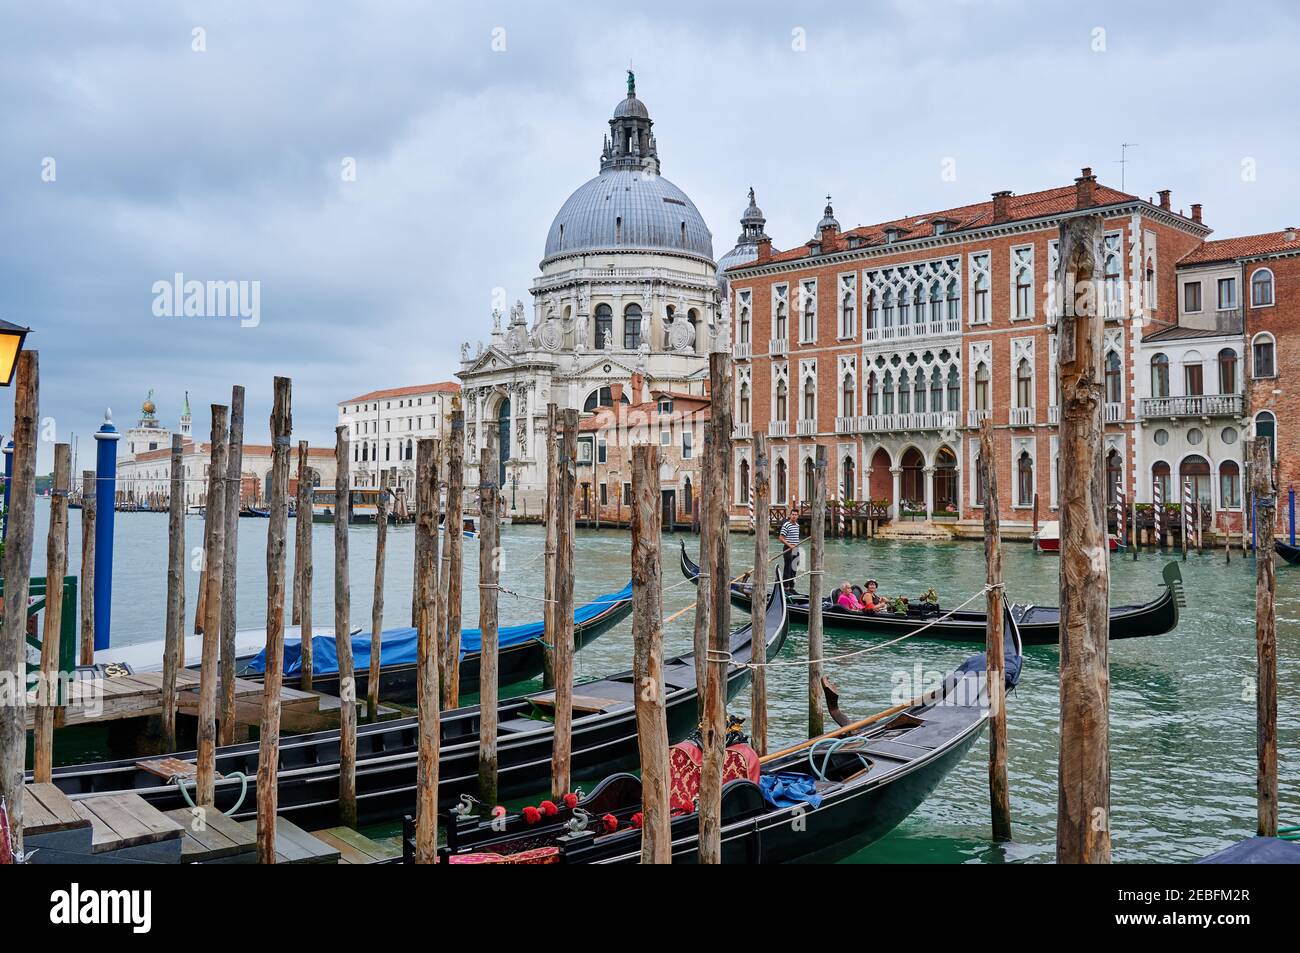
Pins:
x: 778, y: 428
x: 1114, y: 412
x: 880, y: 423
x: 1021, y: 416
x: 742, y: 431
x: 807, y: 428
x: 742, y: 350
x: 1053, y: 414
x: 778, y: 348
x: 973, y: 417
x: 1207, y: 405
x: 890, y: 334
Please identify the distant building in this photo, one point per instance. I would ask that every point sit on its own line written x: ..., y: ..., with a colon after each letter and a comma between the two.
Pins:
x: 387, y: 424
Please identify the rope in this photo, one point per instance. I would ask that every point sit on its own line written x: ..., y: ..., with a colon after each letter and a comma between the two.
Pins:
x: 243, y: 790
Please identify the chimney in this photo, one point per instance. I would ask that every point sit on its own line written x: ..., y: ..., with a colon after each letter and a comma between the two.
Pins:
x: 1001, y: 207
x: 1164, y: 199
x: 765, y: 249
x: 1083, y: 189
x: 616, y: 392
x: 1196, y: 212
x: 1289, y: 234
x: 635, y: 385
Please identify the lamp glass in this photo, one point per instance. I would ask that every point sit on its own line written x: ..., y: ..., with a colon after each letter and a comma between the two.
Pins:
x: 10, y: 345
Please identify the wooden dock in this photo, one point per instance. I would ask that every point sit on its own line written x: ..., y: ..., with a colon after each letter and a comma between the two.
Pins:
x: 97, y: 700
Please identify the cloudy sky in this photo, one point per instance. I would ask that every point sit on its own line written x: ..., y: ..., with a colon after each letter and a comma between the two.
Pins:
x: 215, y: 139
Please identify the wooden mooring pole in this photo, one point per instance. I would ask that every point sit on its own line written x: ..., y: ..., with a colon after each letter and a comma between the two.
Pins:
x: 56, y: 565
x: 999, y: 793
x: 302, y: 559
x: 1083, y: 786
x: 426, y: 527
x: 816, y: 721
x: 758, y: 600
x: 87, y: 654
x: 20, y: 522
x: 549, y: 547
x: 454, y: 544
x: 230, y: 566
x: 174, y: 646
x: 268, y: 756
x: 717, y: 562
x: 214, y: 566
x: 703, y: 581
x: 377, y: 602
x: 1266, y: 784
x: 489, y: 545
x: 562, y: 748
x: 342, y: 637
x: 647, y: 655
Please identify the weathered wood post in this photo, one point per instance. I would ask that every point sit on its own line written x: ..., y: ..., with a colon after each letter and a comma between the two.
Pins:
x: 703, y: 581
x: 268, y: 756
x: 718, y: 565
x: 1083, y: 792
x: 230, y: 566
x: 1035, y: 519
x: 214, y: 564
x: 816, y: 722
x: 758, y: 601
x: 562, y: 748
x: 647, y: 656
x: 342, y: 637
x: 454, y: 542
x: 174, y: 647
x: 303, y: 561
x: 20, y: 528
x: 377, y: 603
x: 489, y: 545
x: 426, y: 779
x: 87, y: 654
x: 56, y: 566
x: 1266, y: 785
x: 999, y: 793
x: 550, y: 513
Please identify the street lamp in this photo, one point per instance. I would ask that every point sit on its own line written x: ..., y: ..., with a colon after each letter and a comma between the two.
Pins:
x: 11, y: 345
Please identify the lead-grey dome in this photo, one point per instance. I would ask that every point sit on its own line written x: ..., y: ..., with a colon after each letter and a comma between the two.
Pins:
x: 624, y: 209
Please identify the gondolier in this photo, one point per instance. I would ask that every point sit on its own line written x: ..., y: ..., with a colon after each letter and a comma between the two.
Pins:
x: 790, y: 552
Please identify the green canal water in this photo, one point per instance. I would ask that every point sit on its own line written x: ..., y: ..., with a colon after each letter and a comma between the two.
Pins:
x: 1182, y: 704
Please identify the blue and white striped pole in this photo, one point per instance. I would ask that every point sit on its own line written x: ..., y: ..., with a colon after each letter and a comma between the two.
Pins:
x: 106, y: 439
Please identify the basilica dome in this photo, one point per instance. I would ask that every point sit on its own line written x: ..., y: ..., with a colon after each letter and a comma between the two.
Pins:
x: 629, y: 206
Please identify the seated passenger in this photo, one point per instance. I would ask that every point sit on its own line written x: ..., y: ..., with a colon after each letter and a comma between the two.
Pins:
x: 871, y: 600
x: 847, y: 599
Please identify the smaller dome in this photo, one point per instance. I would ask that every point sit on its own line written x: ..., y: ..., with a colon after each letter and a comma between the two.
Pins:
x: 631, y: 108
x: 828, y: 217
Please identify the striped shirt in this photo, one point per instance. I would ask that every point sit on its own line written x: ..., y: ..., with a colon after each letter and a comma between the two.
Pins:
x: 790, y: 532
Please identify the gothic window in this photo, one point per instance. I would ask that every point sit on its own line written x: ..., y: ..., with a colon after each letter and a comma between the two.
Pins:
x: 904, y: 308
x: 809, y: 399
x: 887, y: 310
x: 847, y: 316
x: 1022, y: 267
x: 780, y: 481
x: 936, y: 302
x: 981, y: 290
x: 743, y: 489
x: 1261, y: 356
x: 744, y: 403
x: 1024, y: 384
x: 904, y: 393
x: 918, y: 390
x: 846, y: 398
x: 779, y: 323
x: 808, y: 292
x: 781, y: 400
x: 887, y: 394
x: 632, y: 327
x: 1111, y: 271
x: 744, y: 317
x: 1024, y: 479
x: 873, y: 397
x: 918, y: 299
x: 1114, y: 378
x: 954, y: 301
x: 954, y: 390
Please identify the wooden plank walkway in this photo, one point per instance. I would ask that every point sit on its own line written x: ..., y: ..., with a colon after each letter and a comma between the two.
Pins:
x: 217, y: 838
x: 356, y: 848
x: 46, y: 810
x: 91, y: 701
x: 293, y: 845
x: 119, y: 821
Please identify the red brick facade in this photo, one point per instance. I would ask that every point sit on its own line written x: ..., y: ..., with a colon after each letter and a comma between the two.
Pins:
x: 983, y: 275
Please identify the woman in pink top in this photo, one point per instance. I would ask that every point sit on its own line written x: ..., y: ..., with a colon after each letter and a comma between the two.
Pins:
x: 847, y: 599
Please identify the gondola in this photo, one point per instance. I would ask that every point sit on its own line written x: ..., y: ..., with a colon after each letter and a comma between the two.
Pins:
x: 1288, y: 552
x: 1039, y: 625
x: 836, y: 795
x: 519, y: 657
x: 604, y: 740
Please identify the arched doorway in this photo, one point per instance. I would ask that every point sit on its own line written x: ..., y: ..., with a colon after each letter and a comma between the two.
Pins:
x: 1197, y: 469
x: 503, y: 440
x: 809, y: 480
x: 744, y: 482
x: 913, y: 488
x: 848, y: 486
x: 1114, y: 475
x: 945, y: 481
x: 881, y: 480
x: 781, y: 495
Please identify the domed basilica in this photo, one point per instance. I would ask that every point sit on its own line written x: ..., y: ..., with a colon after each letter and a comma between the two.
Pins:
x: 628, y: 301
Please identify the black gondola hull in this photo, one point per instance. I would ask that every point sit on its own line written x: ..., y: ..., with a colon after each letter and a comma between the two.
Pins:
x: 1039, y: 625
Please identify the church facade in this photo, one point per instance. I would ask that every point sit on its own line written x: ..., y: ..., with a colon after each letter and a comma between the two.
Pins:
x: 628, y: 290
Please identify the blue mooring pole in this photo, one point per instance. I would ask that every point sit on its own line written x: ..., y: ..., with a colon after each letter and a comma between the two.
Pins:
x: 106, y: 439
x: 9, y: 478
x: 1290, y: 512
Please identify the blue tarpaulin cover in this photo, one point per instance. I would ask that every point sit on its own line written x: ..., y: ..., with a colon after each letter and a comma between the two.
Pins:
x: 789, y: 790
x: 399, y: 646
